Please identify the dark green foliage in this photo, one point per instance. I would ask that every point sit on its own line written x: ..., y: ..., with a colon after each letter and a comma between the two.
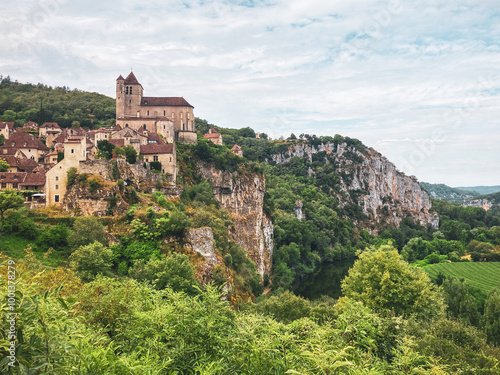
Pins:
x: 40, y: 103
x: 175, y: 272
x: 87, y: 230
x: 55, y: 237
x: 10, y: 199
x: 491, y: 319
x: 60, y: 156
x: 71, y: 176
x: 130, y: 154
x: 115, y: 173
x: 131, y: 196
x: 105, y: 149
x: 155, y: 166
x: 285, y: 308
x: 460, y: 303
x: 20, y: 224
x: 91, y: 260
x: 247, y: 278
x: 202, y: 193
x: 175, y: 225
x: 2, y: 139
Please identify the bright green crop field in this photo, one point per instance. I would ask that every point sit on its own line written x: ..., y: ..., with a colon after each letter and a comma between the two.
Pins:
x: 482, y: 275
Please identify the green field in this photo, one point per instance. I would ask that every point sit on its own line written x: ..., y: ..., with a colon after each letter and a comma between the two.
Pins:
x: 484, y: 276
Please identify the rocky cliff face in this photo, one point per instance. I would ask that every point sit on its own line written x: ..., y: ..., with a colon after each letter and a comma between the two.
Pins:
x: 369, y: 180
x: 242, y: 195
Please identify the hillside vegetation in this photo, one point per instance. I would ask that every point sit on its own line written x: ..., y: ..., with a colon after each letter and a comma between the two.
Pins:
x: 23, y: 102
x: 447, y: 193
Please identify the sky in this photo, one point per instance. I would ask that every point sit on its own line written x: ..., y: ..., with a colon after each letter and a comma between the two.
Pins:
x: 419, y: 81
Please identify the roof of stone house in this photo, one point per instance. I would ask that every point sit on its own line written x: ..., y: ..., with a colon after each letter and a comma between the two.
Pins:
x: 212, y: 135
x: 34, y: 179
x: 170, y: 101
x: 117, y: 142
x: 127, y: 135
x: 155, y: 137
x: 50, y: 124
x: 116, y: 127
x: 131, y: 80
x: 4, y: 124
x: 157, y: 149
x: 24, y: 140
x: 104, y: 130
x: 31, y: 123
x: 13, y: 176
x: 236, y: 148
x: 120, y: 78
x: 25, y: 165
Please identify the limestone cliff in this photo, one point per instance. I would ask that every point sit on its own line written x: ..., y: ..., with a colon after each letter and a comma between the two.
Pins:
x: 242, y: 195
x: 369, y: 180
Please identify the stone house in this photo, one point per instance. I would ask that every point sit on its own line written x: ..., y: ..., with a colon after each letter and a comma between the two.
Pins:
x: 75, y: 151
x: 6, y: 128
x: 214, y: 136
x: 237, y: 151
x: 49, y: 128
x: 163, y: 153
x: 172, y: 117
x: 30, y: 146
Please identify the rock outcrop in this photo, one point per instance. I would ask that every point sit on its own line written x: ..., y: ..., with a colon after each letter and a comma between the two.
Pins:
x: 369, y: 180
x: 242, y: 195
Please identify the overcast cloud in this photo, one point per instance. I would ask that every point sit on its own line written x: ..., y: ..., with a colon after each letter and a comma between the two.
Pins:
x: 417, y: 81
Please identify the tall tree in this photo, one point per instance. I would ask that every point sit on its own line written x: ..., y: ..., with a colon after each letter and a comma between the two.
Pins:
x: 10, y: 199
x: 383, y: 281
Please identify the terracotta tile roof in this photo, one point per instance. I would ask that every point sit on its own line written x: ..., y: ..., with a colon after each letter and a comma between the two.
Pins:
x: 165, y: 101
x: 104, y: 130
x: 212, y: 135
x: 4, y: 125
x: 50, y: 125
x: 24, y: 140
x: 131, y: 80
x: 236, y: 148
x: 117, y: 142
x: 154, y: 137
x: 34, y: 179
x: 27, y: 165
x: 120, y: 78
x: 31, y: 124
x: 157, y: 149
x: 116, y: 127
x: 13, y: 177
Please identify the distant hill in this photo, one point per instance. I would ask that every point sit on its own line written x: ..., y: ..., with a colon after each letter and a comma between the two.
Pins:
x: 447, y: 193
x: 481, y: 189
x: 23, y: 102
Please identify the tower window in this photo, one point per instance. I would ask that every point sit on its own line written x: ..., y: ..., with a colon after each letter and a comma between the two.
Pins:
x: 144, y: 126
x: 72, y: 150
x: 148, y: 113
x: 126, y: 90
x: 130, y: 89
x: 164, y: 113
x: 56, y: 198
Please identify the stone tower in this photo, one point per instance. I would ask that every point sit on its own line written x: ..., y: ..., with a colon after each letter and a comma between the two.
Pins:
x: 128, y: 96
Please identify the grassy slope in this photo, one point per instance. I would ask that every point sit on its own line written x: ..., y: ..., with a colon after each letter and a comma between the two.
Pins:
x: 484, y: 276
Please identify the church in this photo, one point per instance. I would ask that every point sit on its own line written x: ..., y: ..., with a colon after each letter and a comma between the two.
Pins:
x: 171, y: 117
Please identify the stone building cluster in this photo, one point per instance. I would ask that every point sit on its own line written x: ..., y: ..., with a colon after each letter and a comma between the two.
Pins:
x: 39, y: 157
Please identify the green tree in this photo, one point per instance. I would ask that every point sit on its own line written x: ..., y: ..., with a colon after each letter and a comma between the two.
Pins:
x: 71, y: 176
x: 60, y: 156
x: 383, y: 281
x: 491, y: 318
x: 130, y: 154
x: 10, y: 199
x: 175, y: 225
x: 91, y: 260
x: 174, y: 271
x: 460, y: 304
x: 87, y: 230
x: 2, y: 139
x: 105, y: 149
x: 4, y: 166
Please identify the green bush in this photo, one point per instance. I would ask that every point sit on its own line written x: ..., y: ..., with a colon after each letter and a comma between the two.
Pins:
x: 19, y: 224
x: 71, y: 176
x: 91, y: 260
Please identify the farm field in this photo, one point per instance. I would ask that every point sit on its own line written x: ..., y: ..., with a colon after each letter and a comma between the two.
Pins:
x: 482, y: 275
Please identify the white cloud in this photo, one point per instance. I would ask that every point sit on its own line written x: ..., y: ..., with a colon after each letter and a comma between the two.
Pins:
x: 387, y: 72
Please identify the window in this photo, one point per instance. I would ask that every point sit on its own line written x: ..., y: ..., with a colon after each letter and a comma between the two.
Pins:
x: 155, y: 158
x: 144, y: 126
x: 148, y: 113
x: 14, y: 185
x: 170, y: 158
x: 164, y: 113
x: 57, y: 187
x: 72, y: 150
x: 130, y: 102
x: 4, y: 185
x: 126, y: 90
x: 56, y: 198
x: 57, y: 178
x: 126, y: 125
x: 164, y: 127
x: 130, y: 90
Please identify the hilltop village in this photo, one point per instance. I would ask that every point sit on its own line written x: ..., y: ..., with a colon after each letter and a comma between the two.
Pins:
x: 40, y: 156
